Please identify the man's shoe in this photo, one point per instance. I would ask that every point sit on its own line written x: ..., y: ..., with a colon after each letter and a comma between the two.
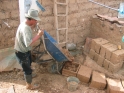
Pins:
x: 32, y: 87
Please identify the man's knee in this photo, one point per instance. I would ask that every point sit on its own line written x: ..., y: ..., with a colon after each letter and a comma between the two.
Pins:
x: 27, y: 69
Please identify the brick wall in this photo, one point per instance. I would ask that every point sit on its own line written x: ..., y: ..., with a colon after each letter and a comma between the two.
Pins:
x: 107, y: 30
x: 80, y: 12
x: 8, y: 14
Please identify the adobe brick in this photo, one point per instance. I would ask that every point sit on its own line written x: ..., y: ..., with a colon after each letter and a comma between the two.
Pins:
x: 47, y: 2
x: 87, y: 45
x: 96, y: 44
x: 48, y: 26
x: 49, y: 19
x: 103, y: 49
x: 71, y: 30
x: 15, y: 4
x: 85, y: 5
x: 73, y: 22
x: 100, y: 42
x: 100, y: 61
x: 80, y: 1
x: 82, y: 15
x: 122, y: 82
x: 94, y: 41
x: 106, y: 63
x: 104, y: 10
x: 73, y: 15
x: 73, y: 8
x: 2, y: 15
x: 96, y: 57
x: 48, y: 12
x: 84, y: 74
x: 97, y: 48
x: 114, y: 67
x: 15, y: 13
x: 70, y: 37
x: 114, y: 86
x: 109, y: 51
x: 98, y: 80
x: 72, y: 1
x: 117, y: 56
x: 95, y: 6
x: 93, y: 44
x: 8, y: 5
x: 13, y: 23
x: 91, y: 53
x: 8, y: 14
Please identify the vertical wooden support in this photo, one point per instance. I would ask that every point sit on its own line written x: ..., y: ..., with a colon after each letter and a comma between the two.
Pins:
x: 57, y: 15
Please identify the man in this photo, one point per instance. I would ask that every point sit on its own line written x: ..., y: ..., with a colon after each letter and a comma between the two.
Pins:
x: 23, y: 43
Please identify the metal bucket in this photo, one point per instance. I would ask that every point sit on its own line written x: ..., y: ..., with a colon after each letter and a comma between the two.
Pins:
x: 72, y: 83
x: 71, y: 46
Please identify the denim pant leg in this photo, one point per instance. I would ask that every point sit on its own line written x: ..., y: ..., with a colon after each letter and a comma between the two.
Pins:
x: 24, y: 60
x: 30, y: 57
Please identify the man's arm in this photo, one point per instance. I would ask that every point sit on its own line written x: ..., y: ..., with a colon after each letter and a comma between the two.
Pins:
x: 39, y: 34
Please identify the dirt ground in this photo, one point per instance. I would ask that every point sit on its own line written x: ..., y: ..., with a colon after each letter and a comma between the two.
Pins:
x: 49, y: 83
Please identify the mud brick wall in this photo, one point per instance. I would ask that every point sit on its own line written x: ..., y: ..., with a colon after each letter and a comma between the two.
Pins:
x: 79, y: 19
x: 107, y: 30
x: 106, y: 54
x: 9, y: 13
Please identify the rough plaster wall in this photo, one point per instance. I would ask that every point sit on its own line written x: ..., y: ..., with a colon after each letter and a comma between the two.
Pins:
x: 80, y: 12
x: 104, y: 29
x: 8, y: 13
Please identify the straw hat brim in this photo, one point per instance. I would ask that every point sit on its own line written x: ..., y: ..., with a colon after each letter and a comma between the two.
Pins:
x: 36, y: 18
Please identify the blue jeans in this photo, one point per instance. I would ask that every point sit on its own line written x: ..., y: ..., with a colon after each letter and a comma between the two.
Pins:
x: 25, y: 61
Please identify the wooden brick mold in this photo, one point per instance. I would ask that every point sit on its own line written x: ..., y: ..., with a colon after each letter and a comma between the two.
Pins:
x: 70, y: 69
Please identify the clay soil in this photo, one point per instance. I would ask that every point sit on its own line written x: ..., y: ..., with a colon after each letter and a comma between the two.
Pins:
x: 49, y: 82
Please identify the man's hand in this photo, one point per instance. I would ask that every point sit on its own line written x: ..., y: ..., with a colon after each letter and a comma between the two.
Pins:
x: 40, y: 32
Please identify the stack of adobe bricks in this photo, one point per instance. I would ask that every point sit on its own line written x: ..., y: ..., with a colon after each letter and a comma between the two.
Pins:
x: 94, y: 79
x: 106, y: 54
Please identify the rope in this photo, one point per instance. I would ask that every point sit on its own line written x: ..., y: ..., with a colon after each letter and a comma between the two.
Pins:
x: 104, y: 5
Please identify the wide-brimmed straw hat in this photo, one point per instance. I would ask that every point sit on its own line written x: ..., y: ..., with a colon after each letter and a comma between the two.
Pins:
x: 32, y: 14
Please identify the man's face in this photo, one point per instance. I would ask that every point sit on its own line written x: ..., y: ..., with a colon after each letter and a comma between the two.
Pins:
x: 34, y: 22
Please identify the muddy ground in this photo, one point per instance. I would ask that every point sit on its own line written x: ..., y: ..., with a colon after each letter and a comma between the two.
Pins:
x: 52, y: 82
x: 49, y: 82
